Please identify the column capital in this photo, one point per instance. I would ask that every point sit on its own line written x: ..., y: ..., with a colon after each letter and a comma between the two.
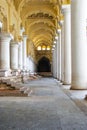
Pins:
x: 56, y: 37
x: 21, y: 31
x: 58, y: 31
x: 61, y: 22
x: 5, y: 36
x: 19, y: 43
x: 25, y: 37
x: 55, y: 41
x: 66, y: 9
x: 13, y: 43
x: 20, y: 38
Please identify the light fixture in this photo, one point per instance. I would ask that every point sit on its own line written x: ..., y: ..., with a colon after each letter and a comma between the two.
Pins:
x: 54, y: 42
x: 56, y: 37
x: 54, y: 46
x: 52, y: 49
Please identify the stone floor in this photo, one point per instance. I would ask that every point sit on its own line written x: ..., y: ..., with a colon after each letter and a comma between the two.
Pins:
x: 49, y: 107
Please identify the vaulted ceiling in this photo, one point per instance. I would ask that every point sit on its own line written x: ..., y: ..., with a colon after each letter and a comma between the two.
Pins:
x: 40, y: 18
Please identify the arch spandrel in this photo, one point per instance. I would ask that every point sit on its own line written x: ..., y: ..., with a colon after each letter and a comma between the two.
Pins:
x: 35, y: 10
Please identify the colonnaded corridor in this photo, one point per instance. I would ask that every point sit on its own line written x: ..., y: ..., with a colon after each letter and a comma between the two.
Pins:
x: 49, y: 107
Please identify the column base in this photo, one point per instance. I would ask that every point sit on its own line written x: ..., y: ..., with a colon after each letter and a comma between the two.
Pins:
x: 78, y: 88
x: 85, y: 97
x: 66, y: 83
x: 5, y: 73
x: 16, y: 72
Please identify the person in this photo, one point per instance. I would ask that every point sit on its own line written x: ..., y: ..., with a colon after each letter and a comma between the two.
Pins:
x: 22, y: 78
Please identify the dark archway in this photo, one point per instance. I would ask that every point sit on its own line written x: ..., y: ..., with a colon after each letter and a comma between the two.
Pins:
x: 44, y: 65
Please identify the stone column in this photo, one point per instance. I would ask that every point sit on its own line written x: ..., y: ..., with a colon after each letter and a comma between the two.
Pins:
x: 62, y: 49
x: 20, y: 56
x: 57, y: 60
x: 54, y: 63
x: 59, y: 54
x: 67, y: 42
x: 5, y: 51
x: 14, y: 55
x: 24, y: 52
x: 79, y: 44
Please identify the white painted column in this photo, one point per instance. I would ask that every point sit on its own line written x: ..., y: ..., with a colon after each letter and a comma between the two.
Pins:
x: 62, y: 50
x: 54, y: 63
x: 32, y: 66
x: 56, y: 56
x: 57, y: 60
x: 14, y: 55
x: 67, y: 43
x: 5, y: 51
x: 59, y: 54
x: 20, y: 56
x: 24, y: 52
x: 79, y: 44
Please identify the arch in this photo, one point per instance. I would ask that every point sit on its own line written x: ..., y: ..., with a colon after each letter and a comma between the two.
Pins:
x: 49, y: 22
x: 39, y: 26
x: 44, y: 65
x: 28, y: 11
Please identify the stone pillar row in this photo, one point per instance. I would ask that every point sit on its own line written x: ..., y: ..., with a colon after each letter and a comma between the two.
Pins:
x: 12, y: 54
x: 74, y: 45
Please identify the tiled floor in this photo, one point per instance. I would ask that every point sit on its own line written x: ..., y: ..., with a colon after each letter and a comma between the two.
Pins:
x: 49, y: 107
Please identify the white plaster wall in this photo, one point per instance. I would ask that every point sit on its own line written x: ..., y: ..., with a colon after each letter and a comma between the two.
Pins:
x: 31, y: 65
